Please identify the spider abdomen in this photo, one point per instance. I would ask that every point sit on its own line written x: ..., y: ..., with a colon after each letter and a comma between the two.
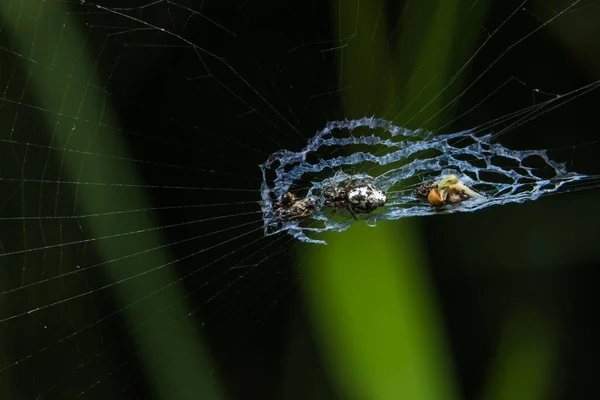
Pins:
x: 366, y: 198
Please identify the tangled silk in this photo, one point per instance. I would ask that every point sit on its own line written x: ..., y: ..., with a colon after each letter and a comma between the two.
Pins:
x: 397, y: 160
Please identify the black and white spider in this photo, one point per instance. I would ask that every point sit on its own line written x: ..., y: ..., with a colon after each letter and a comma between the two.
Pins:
x: 360, y: 198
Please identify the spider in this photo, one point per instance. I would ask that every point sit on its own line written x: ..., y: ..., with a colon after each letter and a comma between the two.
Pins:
x: 289, y: 207
x: 362, y: 198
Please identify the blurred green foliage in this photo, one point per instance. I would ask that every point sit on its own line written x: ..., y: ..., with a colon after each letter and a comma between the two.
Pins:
x: 375, y: 317
x: 374, y: 310
x: 176, y: 363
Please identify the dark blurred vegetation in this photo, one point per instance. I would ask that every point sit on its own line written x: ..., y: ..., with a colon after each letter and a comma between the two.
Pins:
x: 499, y: 304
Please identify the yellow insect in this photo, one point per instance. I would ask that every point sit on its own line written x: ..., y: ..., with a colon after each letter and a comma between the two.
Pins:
x: 449, y: 190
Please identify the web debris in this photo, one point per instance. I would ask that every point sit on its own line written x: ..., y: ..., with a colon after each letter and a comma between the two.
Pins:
x: 408, y: 159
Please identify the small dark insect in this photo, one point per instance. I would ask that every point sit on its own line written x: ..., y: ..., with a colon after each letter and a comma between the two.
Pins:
x: 362, y: 198
x: 425, y: 188
x: 286, y: 200
x: 289, y: 207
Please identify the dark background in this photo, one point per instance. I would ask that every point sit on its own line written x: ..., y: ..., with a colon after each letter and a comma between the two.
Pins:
x: 274, y: 83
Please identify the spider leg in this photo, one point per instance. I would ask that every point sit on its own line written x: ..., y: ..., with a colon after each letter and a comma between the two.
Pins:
x: 352, y: 212
x: 349, y: 184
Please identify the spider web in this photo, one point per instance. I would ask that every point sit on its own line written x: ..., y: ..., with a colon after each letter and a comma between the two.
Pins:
x: 131, y: 134
x: 498, y: 174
